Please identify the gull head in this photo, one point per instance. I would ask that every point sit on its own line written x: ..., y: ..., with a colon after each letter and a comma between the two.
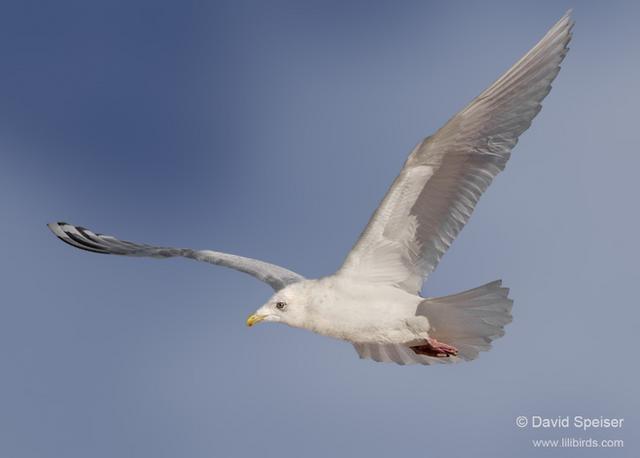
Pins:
x: 288, y: 306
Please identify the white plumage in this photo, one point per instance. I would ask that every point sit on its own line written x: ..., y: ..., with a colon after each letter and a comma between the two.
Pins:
x: 373, y: 300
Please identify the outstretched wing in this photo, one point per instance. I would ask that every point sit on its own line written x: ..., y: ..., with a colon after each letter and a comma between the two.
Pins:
x: 441, y: 181
x: 277, y: 277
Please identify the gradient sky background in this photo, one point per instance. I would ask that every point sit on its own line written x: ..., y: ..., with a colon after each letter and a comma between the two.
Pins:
x: 273, y: 129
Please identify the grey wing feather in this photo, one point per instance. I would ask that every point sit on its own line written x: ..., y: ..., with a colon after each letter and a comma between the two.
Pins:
x: 437, y: 189
x: 275, y: 276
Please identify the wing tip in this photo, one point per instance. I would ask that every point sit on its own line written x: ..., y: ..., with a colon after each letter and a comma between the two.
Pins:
x: 563, y: 27
x: 56, y: 228
x: 567, y: 22
x: 75, y: 240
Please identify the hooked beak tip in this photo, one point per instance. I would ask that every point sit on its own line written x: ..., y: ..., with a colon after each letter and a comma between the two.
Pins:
x: 254, y: 319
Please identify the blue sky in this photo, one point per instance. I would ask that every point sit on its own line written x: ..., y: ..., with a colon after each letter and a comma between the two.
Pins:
x: 272, y: 130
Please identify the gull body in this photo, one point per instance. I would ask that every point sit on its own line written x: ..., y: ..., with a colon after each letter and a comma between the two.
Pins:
x: 329, y: 306
x: 373, y: 300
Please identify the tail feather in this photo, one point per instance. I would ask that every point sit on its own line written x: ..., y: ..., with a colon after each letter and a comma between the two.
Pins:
x: 470, y: 320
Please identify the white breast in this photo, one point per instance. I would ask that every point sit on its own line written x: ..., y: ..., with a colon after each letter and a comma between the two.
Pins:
x: 361, y: 312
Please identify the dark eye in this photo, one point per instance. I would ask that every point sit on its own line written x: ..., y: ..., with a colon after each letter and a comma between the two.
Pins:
x: 281, y: 305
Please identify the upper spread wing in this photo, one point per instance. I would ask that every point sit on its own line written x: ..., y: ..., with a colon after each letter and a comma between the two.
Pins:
x: 277, y: 277
x: 443, y: 178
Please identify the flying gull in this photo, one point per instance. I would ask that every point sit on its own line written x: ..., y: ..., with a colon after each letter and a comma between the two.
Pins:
x: 373, y: 300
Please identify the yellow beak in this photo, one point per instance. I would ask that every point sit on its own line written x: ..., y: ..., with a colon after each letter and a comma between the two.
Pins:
x: 253, y: 319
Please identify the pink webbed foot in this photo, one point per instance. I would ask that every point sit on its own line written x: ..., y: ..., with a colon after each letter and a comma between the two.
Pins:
x: 435, y: 348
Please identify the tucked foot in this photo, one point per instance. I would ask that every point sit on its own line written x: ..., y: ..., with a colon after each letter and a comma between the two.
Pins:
x: 435, y: 348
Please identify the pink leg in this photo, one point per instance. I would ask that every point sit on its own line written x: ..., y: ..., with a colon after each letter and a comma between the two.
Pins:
x: 435, y: 348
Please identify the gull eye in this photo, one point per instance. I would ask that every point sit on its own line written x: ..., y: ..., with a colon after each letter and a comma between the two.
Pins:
x: 281, y: 305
